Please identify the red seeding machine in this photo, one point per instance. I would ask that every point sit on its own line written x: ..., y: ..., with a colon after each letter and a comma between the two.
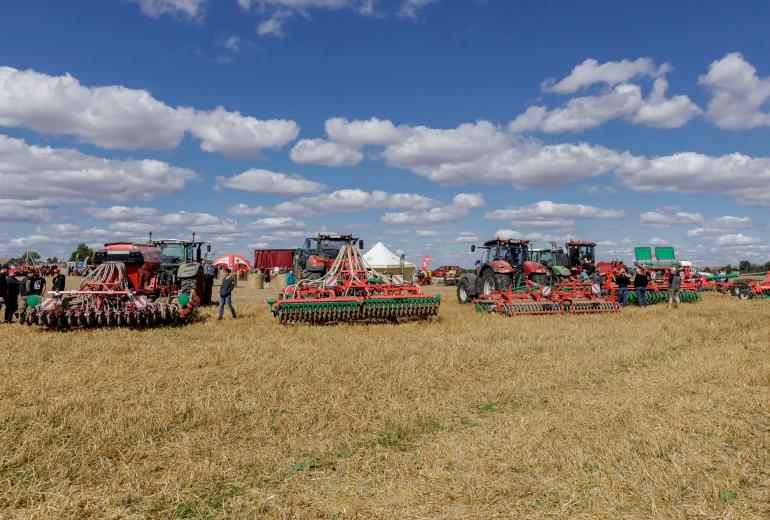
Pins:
x: 128, y: 287
x: 350, y: 290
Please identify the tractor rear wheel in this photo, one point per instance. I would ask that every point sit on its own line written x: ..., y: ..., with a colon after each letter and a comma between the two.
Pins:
x: 463, y: 291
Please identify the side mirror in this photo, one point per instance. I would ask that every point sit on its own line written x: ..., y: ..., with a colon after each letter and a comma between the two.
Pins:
x: 473, y: 248
x: 360, y: 244
x: 208, y: 248
x: 478, y: 262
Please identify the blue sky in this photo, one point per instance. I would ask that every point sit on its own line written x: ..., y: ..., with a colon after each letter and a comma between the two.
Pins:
x: 427, y: 125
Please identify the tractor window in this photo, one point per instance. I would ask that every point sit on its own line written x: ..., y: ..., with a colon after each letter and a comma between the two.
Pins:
x: 488, y: 255
x: 331, y: 248
x: 311, y: 244
x: 172, y: 253
x: 587, y: 252
x: 546, y: 258
x: 512, y: 255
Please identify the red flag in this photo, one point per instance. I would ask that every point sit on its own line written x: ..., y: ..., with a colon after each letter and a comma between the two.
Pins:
x: 425, y: 261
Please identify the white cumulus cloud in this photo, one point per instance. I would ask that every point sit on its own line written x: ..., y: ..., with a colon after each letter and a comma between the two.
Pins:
x: 265, y: 181
x: 118, y: 117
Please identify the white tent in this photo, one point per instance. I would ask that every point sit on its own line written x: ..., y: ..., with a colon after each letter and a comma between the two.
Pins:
x: 386, y: 261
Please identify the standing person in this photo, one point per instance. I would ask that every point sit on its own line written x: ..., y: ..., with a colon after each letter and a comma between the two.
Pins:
x: 226, y: 294
x: 268, y: 275
x: 674, y: 283
x: 3, y: 285
x: 11, y: 297
x: 25, y: 288
x: 596, y: 283
x: 622, y: 280
x: 38, y: 283
x: 640, y: 284
x: 59, y: 280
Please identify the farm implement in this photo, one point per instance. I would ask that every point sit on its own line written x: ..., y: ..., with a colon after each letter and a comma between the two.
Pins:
x: 126, y: 289
x: 350, y: 290
x: 532, y: 298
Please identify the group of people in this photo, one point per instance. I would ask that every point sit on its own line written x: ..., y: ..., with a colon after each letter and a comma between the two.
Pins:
x: 31, y: 284
x: 641, y: 281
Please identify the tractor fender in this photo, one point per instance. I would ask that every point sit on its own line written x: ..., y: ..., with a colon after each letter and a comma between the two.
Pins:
x: 501, y: 267
x: 531, y: 268
x: 188, y: 270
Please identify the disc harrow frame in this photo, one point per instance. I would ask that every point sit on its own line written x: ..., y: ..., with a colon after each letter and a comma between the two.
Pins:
x: 353, y: 291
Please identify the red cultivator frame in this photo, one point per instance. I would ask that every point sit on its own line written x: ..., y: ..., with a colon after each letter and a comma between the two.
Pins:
x: 353, y: 291
x: 569, y: 298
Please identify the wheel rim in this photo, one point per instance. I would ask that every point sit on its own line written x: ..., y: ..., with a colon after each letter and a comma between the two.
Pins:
x: 489, y: 286
x: 463, y: 293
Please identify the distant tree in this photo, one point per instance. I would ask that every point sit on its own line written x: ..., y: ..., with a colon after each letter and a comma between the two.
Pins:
x: 52, y: 260
x: 744, y: 266
x: 82, y: 252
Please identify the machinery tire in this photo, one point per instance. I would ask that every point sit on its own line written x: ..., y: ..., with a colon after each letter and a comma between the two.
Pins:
x: 737, y: 288
x: 187, y: 285
x: 464, y: 291
x: 744, y: 293
x: 503, y: 281
x: 311, y: 275
x: 488, y: 282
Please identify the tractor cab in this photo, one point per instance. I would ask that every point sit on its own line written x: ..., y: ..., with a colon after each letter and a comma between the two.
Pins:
x: 177, y: 252
x: 513, y: 252
x: 581, y: 254
x: 318, y: 253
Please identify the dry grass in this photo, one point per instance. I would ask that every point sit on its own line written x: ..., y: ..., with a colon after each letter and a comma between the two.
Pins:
x: 643, y: 414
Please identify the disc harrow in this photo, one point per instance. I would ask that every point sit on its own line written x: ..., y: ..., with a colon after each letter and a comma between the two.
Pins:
x: 105, y: 299
x: 543, y: 299
x: 352, y: 291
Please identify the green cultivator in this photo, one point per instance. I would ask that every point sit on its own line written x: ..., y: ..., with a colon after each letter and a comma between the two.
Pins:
x: 353, y: 291
x: 661, y: 296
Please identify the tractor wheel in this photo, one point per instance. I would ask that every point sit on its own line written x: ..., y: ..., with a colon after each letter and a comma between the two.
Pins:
x: 463, y: 291
x: 744, y: 293
x: 737, y: 288
x: 503, y: 282
x: 488, y: 282
x: 187, y: 285
x: 540, y: 279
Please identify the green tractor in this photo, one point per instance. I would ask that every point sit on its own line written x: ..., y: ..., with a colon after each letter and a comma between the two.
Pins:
x: 181, y: 266
x: 555, y: 260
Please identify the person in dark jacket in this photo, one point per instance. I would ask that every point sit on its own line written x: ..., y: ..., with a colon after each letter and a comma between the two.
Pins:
x: 3, y: 285
x: 674, y: 283
x: 59, y: 281
x: 11, y: 297
x: 226, y: 294
x: 622, y: 280
x: 640, y: 285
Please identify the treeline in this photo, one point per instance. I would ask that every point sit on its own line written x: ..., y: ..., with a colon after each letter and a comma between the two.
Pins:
x: 82, y: 252
x: 743, y: 266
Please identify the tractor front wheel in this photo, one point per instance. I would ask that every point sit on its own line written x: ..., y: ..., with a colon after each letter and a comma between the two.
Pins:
x: 488, y: 282
x: 187, y: 285
x: 463, y: 291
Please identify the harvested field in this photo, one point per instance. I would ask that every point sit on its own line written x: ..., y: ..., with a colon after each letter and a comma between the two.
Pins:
x: 646, y: 413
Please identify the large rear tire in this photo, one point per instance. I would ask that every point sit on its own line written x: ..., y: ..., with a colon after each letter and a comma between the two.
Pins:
x: 488, y: 282
x: 463, y: 291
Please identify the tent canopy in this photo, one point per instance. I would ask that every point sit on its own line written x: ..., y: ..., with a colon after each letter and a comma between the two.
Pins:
x: 231, y: 261
x: 383, y: 259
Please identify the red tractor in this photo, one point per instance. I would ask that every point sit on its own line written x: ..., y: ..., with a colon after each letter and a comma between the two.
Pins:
x: 317, y: 255
x: 504, y: 264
